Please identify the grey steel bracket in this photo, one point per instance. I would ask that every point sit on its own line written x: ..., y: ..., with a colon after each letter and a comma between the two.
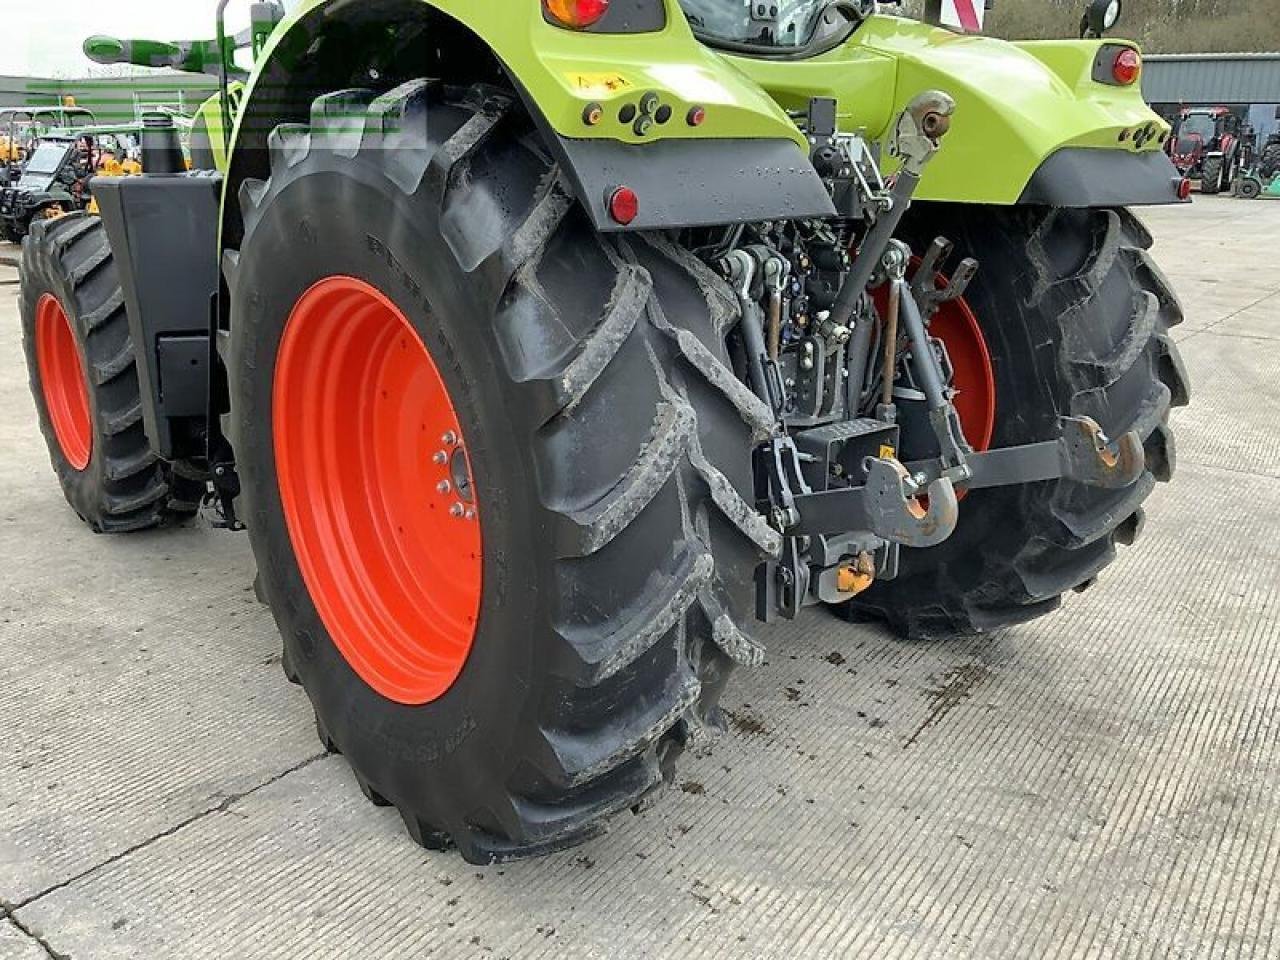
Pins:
x: 886, y: 505
x: 1091, y: 459
x: 1082, y: 453
x: 927, y: 286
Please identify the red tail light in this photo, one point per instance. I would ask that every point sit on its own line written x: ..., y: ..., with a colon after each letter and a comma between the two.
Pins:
x: 624, y: 205
x: 575, y: 14
x: 1127, y: 67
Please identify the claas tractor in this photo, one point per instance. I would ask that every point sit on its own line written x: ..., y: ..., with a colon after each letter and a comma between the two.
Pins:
x: 546, y: 349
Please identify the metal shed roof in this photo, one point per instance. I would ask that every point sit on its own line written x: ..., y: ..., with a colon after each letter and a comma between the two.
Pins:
x: 1212, y: 78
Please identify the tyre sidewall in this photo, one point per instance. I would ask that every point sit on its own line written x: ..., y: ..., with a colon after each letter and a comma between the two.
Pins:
x: 352, y: 222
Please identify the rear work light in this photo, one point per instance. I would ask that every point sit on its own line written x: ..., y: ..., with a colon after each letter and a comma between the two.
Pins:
x: 1126, y: 67
x: 575, y: 14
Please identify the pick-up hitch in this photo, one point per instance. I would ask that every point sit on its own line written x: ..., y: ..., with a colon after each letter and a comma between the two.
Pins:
x: 886, y: 504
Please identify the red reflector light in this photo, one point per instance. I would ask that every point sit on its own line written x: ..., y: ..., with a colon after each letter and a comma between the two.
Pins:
x: 1127, y: 66
x: 624, y: 205
x: 695, y: 116
x: 575, y: 14
x: 1184, y: 188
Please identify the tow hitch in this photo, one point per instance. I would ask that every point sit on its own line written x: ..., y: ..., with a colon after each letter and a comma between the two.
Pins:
x: 832, y: 482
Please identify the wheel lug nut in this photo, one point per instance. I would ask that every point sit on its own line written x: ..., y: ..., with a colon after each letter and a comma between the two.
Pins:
x: 449, y: 439
x: 444, y: 486
x: 457, y: 510
x: 471, y: 514
x: 440, y: 458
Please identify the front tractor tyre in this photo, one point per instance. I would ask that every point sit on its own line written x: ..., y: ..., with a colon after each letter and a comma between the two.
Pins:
x: 84, y: 379
x: 496, y: 470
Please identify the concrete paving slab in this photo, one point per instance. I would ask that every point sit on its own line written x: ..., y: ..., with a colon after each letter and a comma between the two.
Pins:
x: 1217, y: 247
x: 1209, y: 305
x: 1095, y: 784
x: 1100, y: 783
x: 16, y: 945
x: 1232, y: 420
x: 140, y: 682
x: 1261, y: 320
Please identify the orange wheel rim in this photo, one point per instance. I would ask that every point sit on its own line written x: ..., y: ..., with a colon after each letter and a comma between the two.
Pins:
x: 376, y: 488
x: 63, y: 382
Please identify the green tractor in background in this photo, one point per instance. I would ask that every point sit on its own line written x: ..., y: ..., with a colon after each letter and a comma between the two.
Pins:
x: 547, y: 347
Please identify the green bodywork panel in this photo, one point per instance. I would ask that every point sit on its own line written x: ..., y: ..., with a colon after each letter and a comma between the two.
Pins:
x: 565, y: 71
x: 209, y: 117
x: 1017, y: 103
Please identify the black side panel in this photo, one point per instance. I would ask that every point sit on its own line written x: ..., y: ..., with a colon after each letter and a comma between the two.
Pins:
x: 692, y: 183
x: 164, y: 237
x: 1085, y: 177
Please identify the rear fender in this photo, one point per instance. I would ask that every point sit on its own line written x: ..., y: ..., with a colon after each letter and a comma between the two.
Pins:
x: 1018, y: 107
x: 746, y: 161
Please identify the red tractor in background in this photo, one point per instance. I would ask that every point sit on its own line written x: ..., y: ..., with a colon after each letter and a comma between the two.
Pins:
x: 1209, y: 144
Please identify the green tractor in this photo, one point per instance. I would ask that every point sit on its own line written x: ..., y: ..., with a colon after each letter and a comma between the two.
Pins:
x: 546, y: 348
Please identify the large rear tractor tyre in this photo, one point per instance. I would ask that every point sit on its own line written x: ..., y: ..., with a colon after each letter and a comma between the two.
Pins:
x: 81, y: 364
x: 496, y: 470
x: 1211, y: 175
x: 1076, y: 318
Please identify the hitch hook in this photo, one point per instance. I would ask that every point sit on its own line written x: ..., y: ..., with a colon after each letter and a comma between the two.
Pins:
x: 894, y: 513
x: 1088, y: 457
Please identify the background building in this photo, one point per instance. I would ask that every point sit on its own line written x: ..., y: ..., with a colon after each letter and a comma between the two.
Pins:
x: 1249, y: 82
x: 113, y: 99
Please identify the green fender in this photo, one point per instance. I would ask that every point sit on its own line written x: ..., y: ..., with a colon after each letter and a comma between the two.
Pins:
x: 209, y: 142
x: 1018, y: 105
